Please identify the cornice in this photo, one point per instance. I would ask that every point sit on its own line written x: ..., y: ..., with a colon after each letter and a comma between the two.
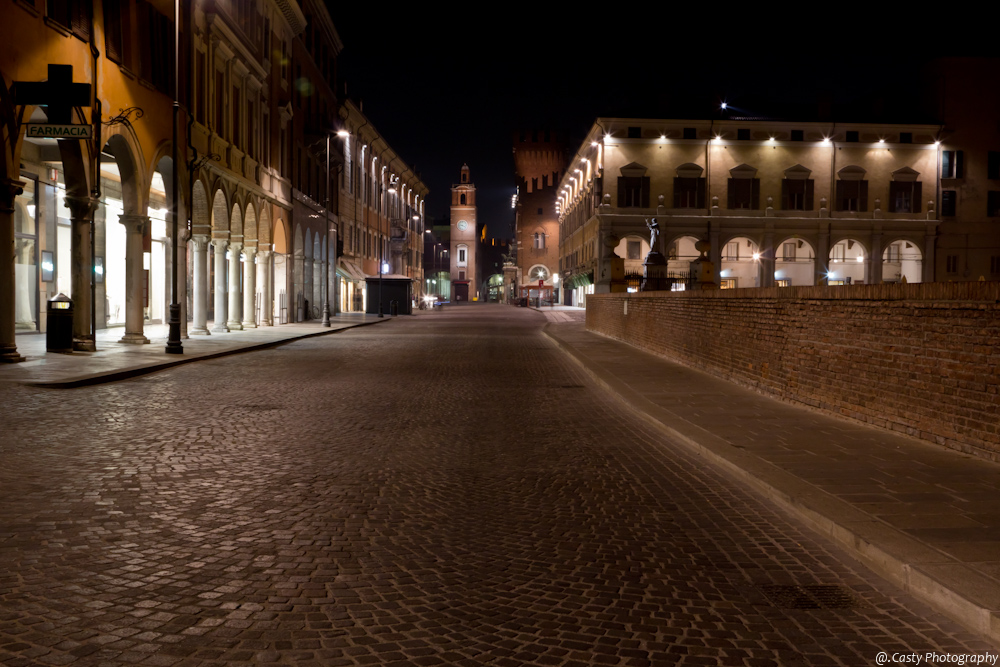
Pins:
x: 295, y: 20
x: 220, y: 31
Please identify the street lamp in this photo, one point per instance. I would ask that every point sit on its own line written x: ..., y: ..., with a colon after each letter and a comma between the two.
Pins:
x: 326, y: 273
x: 174, y: 345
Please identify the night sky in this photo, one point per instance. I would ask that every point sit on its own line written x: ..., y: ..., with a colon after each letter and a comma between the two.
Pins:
x: 454, y: 88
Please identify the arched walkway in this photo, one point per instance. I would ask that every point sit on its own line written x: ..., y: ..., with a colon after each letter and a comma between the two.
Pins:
x: 848, y: 263
x: 902, y: 261
x: 794, y: 263
x: 740, y: 265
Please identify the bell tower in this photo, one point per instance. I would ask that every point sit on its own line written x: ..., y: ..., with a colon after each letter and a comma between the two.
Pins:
x: 464, y: 239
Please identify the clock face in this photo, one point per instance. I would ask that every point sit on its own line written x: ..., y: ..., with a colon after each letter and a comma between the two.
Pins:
x: 462, y: 225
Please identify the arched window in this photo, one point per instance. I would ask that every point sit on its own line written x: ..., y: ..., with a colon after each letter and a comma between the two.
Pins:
x: 462, y: 200
x: 540, y: 240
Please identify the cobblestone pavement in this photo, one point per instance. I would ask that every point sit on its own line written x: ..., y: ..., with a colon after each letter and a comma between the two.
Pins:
x: 439, y: 490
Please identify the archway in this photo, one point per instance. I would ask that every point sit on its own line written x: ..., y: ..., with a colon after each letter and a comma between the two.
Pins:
x: 794, y: 263
x: 740, y: 265
x: 902, y: 261
x: 847, y: 265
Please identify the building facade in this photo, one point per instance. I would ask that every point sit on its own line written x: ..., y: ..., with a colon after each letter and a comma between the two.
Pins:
x: 261, y: 165
x: 779, y: 203
x: 539, y: 160
x: 381, y: 212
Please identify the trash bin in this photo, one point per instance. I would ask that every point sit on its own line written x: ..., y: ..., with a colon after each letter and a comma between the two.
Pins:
x: 59, y: 324
x: 394, y: 308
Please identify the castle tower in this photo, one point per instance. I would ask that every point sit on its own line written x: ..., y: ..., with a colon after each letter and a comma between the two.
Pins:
x: 464, y: 239
x: 539, y: 160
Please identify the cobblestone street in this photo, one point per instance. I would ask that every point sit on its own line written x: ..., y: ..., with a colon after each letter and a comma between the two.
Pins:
x: 443, y: 489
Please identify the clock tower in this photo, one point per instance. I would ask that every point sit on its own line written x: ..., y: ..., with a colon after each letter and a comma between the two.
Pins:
x: 464, y: 240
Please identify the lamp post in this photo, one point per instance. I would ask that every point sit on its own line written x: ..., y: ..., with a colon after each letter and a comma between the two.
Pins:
x: 174, y: 345
x: 326, y: 273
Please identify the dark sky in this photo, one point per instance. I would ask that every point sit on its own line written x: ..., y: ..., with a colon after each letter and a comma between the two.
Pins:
x: 453, y: 88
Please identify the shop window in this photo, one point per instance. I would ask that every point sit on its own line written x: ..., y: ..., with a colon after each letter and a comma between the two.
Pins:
x: 727, y: 283
x: 783, y: 282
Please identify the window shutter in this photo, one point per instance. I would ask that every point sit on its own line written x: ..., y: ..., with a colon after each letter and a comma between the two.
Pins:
x: 959, y: 165
x: 755, y: 194
x: 621, y: 192
x: 645, y: 192
x: 732, y: 193
x: 80, y: 18
x: 784, y: 194
x: 917, y: 187
x: 701, y: 193
x: 677, y: 192
x: 862, y: 196
x: 809, y: 194
x: 113, y: 30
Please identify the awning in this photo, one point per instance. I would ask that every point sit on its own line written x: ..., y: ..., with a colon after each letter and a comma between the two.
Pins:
x: 350, y: 270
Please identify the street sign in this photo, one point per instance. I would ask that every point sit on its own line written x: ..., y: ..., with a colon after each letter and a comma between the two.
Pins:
x: 53, y: 131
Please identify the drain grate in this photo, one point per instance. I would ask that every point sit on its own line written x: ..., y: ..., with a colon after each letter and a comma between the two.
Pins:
x: 811, y: 597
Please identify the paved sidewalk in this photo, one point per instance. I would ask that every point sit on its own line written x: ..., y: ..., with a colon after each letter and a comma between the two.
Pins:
x: 118, y: 361
x: 926, y: 518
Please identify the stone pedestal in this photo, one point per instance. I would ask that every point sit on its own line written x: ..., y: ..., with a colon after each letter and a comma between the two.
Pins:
x: 654, y: 273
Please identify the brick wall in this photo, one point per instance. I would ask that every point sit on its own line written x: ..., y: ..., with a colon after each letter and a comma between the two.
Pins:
x: 921, y: 359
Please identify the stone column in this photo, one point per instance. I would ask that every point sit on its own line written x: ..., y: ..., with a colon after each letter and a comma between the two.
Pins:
x: 199, y: 325
x: 81, y: 210
x: 220, y: 285
x: 235, y: 306
x: 135, y: 228
x: 249, y: 290
x: 266, y: 296
x: 181, y: 256
x: 875, y: 265
x: 767, y: 261
x: 927, y: 269
x: 823, y: 254
x: 307, y: 287
x: 8, y: 341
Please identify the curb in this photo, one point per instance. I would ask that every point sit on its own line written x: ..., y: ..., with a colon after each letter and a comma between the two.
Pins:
x: 934, y: 577
x: 137, y: 371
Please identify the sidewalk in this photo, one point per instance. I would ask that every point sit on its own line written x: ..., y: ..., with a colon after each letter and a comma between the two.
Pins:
x: 118, y: 361
x: 923, y: 517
